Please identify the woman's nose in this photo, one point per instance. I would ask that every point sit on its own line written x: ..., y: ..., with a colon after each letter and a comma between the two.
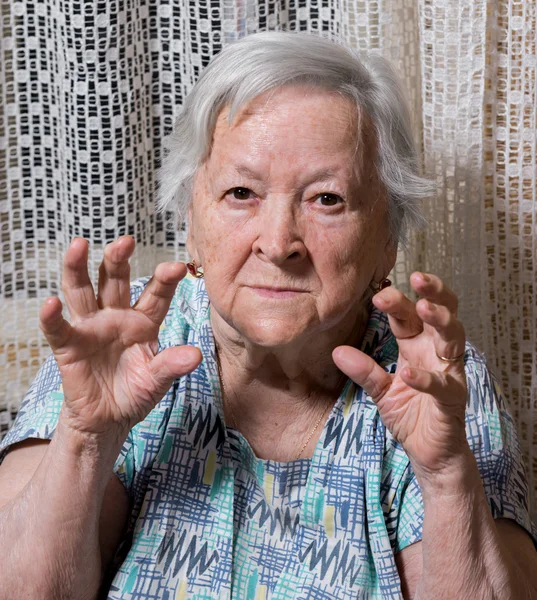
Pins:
x: 279, y: 239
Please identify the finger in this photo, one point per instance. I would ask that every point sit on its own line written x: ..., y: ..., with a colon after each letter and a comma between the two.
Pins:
x: 446, y: 389
x: 157, y: 296
x: 51, y: 322
x: 434, y: 289
x: 363, y: 370
x: 401, y: 311
x: 172, y: 363
x: 449, y: 335
x: 114, y: 274
x: 76, y: 285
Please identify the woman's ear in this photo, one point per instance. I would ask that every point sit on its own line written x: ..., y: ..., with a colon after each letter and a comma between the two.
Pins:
x: 190, y: 241
x: 387, y: 261
x: 391, y: 254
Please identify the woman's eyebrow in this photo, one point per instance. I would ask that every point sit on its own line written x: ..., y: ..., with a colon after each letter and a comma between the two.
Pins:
x: 321, y: 175
x: 246, y: 171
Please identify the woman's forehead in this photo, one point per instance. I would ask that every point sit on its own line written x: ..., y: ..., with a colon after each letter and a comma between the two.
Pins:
x: 294, y: 123
x: 289, y: 104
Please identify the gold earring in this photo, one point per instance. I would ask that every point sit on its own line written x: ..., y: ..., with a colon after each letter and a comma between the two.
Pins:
x: 383, y: 283
x: 194, y: 270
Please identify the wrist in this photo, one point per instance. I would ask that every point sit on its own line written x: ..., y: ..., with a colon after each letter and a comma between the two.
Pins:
x: 458, y: 476
x: 96, y: 451
x: 79, y: 436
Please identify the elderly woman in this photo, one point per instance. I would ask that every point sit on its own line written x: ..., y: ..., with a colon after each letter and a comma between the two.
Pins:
x: 270, y: 427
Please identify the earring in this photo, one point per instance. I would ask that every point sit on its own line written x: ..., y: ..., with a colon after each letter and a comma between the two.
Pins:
x: 194, y: 270
x: 376, y: 287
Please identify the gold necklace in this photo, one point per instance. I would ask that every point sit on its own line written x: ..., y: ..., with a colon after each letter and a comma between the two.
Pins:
x: 224, y: 394
x: 234, y: 420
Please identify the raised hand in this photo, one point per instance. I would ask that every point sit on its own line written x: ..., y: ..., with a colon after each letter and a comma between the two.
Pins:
x: 423, y: 404
x: 111, y: 373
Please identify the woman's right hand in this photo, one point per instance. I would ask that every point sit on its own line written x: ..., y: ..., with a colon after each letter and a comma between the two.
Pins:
x: 111, y: 372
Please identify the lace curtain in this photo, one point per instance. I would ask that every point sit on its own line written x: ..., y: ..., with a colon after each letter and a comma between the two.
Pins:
x: 88, y: 89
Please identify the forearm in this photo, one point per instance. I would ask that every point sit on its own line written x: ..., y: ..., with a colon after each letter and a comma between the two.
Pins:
x: 463, y: 556
x: 49, y: 533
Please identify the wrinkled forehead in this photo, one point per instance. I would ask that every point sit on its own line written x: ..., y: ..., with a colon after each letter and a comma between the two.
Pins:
x: 302, y: 117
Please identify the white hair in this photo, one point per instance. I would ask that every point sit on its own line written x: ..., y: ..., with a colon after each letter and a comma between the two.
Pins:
x: 265, y: 61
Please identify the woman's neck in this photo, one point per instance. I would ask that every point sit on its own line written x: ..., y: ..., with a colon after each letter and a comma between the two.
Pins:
x: 269, y: 387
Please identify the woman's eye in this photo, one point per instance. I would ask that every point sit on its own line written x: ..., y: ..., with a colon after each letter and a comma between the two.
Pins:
x: 329, y: 199
x: 240, y: 193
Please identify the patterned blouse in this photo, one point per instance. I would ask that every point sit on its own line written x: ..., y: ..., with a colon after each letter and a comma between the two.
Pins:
x: 210, y: 520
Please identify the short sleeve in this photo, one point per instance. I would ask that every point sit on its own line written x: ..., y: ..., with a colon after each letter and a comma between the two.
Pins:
x: 492, y: 437
x: 38, y: 416
x: 39, y: 411
x: 410, y: 515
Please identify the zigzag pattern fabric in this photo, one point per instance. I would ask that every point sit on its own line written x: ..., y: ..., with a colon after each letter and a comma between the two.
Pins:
x: 210, y: 520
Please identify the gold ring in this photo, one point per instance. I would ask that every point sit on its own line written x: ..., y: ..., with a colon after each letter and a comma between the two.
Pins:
x: 451, y: 360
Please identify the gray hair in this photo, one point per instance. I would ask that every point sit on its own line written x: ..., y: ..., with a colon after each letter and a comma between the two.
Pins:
x: 264, y: 61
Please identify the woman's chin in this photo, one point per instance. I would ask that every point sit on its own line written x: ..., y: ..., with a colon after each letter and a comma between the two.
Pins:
x: 271, y: 333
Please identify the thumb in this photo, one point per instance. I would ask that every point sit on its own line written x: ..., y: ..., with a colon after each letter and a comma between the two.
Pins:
x: 363, y: 370
x: 172, y: 363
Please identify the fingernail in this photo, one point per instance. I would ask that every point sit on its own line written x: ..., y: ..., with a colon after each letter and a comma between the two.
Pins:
x: 431, y: 306
x: 378, y: 299
x: 425, y: 278
x: 336, y: 353
x: 410, y: 373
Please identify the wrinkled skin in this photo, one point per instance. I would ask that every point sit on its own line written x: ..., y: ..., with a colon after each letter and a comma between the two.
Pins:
x: 423, y: 404
x: 281, y: 203
x: 297, y: 144
x: 111, y: 373
x: 291, y: 230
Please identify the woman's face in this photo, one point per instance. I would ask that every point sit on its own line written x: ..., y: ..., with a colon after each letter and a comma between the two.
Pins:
x: 288, y: 219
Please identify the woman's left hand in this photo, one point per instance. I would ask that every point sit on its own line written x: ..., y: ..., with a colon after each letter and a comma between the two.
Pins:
x: 423, y: 403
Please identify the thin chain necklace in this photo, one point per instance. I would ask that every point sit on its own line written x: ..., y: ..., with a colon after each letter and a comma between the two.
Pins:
x: 225, y: 402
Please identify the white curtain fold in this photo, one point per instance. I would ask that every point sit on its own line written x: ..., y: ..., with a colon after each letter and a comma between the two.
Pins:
x: 88, y: 90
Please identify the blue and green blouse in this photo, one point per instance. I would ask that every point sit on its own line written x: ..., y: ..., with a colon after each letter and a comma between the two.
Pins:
x: 211, y: 521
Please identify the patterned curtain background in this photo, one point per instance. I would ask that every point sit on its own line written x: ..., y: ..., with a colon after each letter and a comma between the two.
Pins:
x: 88, y: 89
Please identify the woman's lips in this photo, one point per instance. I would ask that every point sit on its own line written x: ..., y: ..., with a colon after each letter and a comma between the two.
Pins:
x: 280, y: 293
